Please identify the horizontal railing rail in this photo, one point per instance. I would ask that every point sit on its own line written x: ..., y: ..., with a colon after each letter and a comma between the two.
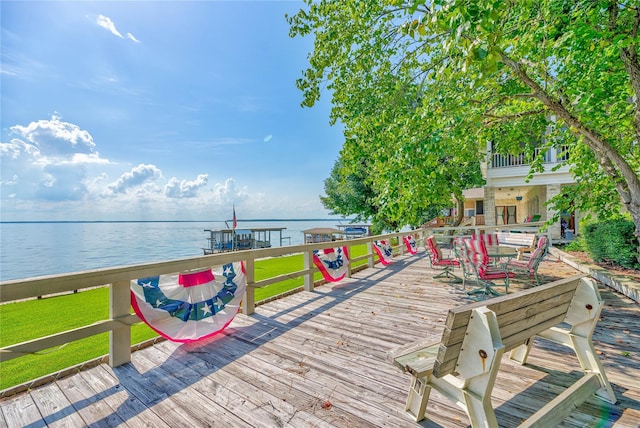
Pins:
x: 549, y: 155
x: 446, y: 234
x: 118, y: 279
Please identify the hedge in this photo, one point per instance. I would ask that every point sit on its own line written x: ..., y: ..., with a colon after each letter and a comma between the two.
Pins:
x: 613, y: 241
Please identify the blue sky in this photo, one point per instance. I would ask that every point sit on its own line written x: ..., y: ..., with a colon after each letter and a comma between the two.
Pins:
x: 158, y: 110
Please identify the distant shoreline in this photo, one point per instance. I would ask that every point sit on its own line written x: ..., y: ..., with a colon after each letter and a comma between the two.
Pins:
x: 172, y: 221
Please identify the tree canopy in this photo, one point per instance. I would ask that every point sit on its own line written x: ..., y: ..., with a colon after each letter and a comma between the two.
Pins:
x: 421, y: 86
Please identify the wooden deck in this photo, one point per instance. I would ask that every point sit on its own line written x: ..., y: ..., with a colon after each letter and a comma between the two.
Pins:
x: 320, y: 359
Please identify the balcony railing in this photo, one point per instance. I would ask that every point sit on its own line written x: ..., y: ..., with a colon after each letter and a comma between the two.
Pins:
x: 550, y: 155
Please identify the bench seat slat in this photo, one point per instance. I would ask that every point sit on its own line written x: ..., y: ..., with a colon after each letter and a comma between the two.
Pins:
x: 420, y: 362
x: 508, y: 302
x: 399, y: 356
x: 535, y: 307
x: 538, y: 321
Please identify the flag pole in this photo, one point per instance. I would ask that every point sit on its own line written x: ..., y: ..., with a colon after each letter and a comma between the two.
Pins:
x: 234, y: 224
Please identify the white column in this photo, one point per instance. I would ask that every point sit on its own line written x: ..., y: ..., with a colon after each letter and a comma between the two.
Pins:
x: 489, y: 206
x: 554, y: 230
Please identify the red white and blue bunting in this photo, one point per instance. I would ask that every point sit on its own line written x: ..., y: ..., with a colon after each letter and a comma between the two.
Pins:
x: 384, y: 250
x: 411, y: 244
x: 332, y: 262
x: 187, y: 307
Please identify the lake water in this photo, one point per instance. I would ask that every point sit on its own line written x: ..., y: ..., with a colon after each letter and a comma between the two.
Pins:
x: 35, y: 249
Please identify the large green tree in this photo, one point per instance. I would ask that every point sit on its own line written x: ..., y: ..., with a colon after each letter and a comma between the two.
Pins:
x: 427, y: 81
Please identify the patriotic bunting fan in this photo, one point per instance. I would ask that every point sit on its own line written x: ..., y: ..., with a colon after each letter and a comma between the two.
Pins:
x: 190, y: 306
x: 384, y: 250
x: 411, y: 244
x: 332, y: 262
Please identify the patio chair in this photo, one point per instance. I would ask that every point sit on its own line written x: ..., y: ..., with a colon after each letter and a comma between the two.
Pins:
x: 484, y: 272
x: 436, y: 259
x: 487, y: 238
x: 531, y: 266
x: 490, y: 239
x: 460, y: 252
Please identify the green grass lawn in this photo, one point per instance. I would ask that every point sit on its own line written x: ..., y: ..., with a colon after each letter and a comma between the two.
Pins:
x: 27, y: 320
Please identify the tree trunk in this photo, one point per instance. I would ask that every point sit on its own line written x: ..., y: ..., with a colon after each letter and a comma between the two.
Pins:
x: 460, y: 211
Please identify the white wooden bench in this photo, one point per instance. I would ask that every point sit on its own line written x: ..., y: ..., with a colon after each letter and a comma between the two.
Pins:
x: 522, y: 242
x: 463, y: 366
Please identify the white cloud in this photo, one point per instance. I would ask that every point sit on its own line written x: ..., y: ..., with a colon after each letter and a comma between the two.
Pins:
x: 56, y: 138
x: 268, y: 138
x: 51, y: 170
x: 183, y: 188
x: 48, y: 161
x: 135, y: 178
x: 106, y: 23
x: 227, y: 193
x: 132, y: 37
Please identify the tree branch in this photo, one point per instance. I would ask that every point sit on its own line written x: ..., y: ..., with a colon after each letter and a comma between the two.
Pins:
x: 497, y: 119
x: 612, y: 162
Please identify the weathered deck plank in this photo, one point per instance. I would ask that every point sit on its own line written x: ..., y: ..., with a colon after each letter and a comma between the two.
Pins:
x: 319, y: 359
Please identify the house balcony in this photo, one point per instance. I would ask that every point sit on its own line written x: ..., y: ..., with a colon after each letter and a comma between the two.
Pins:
x: 513, y: 170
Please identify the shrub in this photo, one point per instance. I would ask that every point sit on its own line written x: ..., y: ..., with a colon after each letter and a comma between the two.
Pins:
x: 613, y: 241
x: 578, y: 244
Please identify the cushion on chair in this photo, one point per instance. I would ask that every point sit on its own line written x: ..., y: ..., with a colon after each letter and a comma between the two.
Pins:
x: 436, y: 253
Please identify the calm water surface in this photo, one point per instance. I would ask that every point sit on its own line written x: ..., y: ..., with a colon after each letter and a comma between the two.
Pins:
x: 35, y: 249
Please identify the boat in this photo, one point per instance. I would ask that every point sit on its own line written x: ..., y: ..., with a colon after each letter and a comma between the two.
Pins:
x: 352, y: 231
x: 224, y: 240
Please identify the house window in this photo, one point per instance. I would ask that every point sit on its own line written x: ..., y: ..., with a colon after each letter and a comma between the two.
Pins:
x: 479, y: 207
x: 506, y: 214
x: 563, y: 153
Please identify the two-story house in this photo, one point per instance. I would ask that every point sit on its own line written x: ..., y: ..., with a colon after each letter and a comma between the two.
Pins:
x: 508, y: 198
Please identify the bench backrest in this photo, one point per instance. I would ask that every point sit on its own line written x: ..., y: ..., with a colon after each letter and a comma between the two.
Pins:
x: 524, y: 239
x: 520, y: 316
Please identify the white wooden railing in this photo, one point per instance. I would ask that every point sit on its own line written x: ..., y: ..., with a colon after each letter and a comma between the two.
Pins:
x: 445, y: 235
x: 118, y: 280
x: 550, y: 155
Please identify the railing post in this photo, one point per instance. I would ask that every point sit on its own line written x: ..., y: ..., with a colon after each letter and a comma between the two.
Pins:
x: 249, y: 299
x: 348, y: 274
x: 119, y: 337
x: 370, y: 253
x: 308, y: 264
x: 400, y: 245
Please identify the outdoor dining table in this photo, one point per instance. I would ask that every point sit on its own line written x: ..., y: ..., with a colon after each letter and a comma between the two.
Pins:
x: 501, y: 252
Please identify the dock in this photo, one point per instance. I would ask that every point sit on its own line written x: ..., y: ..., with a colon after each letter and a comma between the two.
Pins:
x: 320, y: 359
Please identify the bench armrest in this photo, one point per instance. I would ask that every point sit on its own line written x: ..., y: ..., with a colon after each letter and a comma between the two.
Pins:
x: 416, y: 358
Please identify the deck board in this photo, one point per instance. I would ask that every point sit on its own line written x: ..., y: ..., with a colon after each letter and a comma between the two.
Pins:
x: 319, y: 359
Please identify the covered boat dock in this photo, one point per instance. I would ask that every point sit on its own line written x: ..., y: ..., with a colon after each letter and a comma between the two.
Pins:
x: 223, y: 240
x: 321, y: 234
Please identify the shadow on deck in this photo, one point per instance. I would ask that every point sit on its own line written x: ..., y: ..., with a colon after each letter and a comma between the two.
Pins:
x: 320, y: 359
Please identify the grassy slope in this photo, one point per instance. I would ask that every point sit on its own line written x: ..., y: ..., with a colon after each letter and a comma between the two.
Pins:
x: 23, y: 321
